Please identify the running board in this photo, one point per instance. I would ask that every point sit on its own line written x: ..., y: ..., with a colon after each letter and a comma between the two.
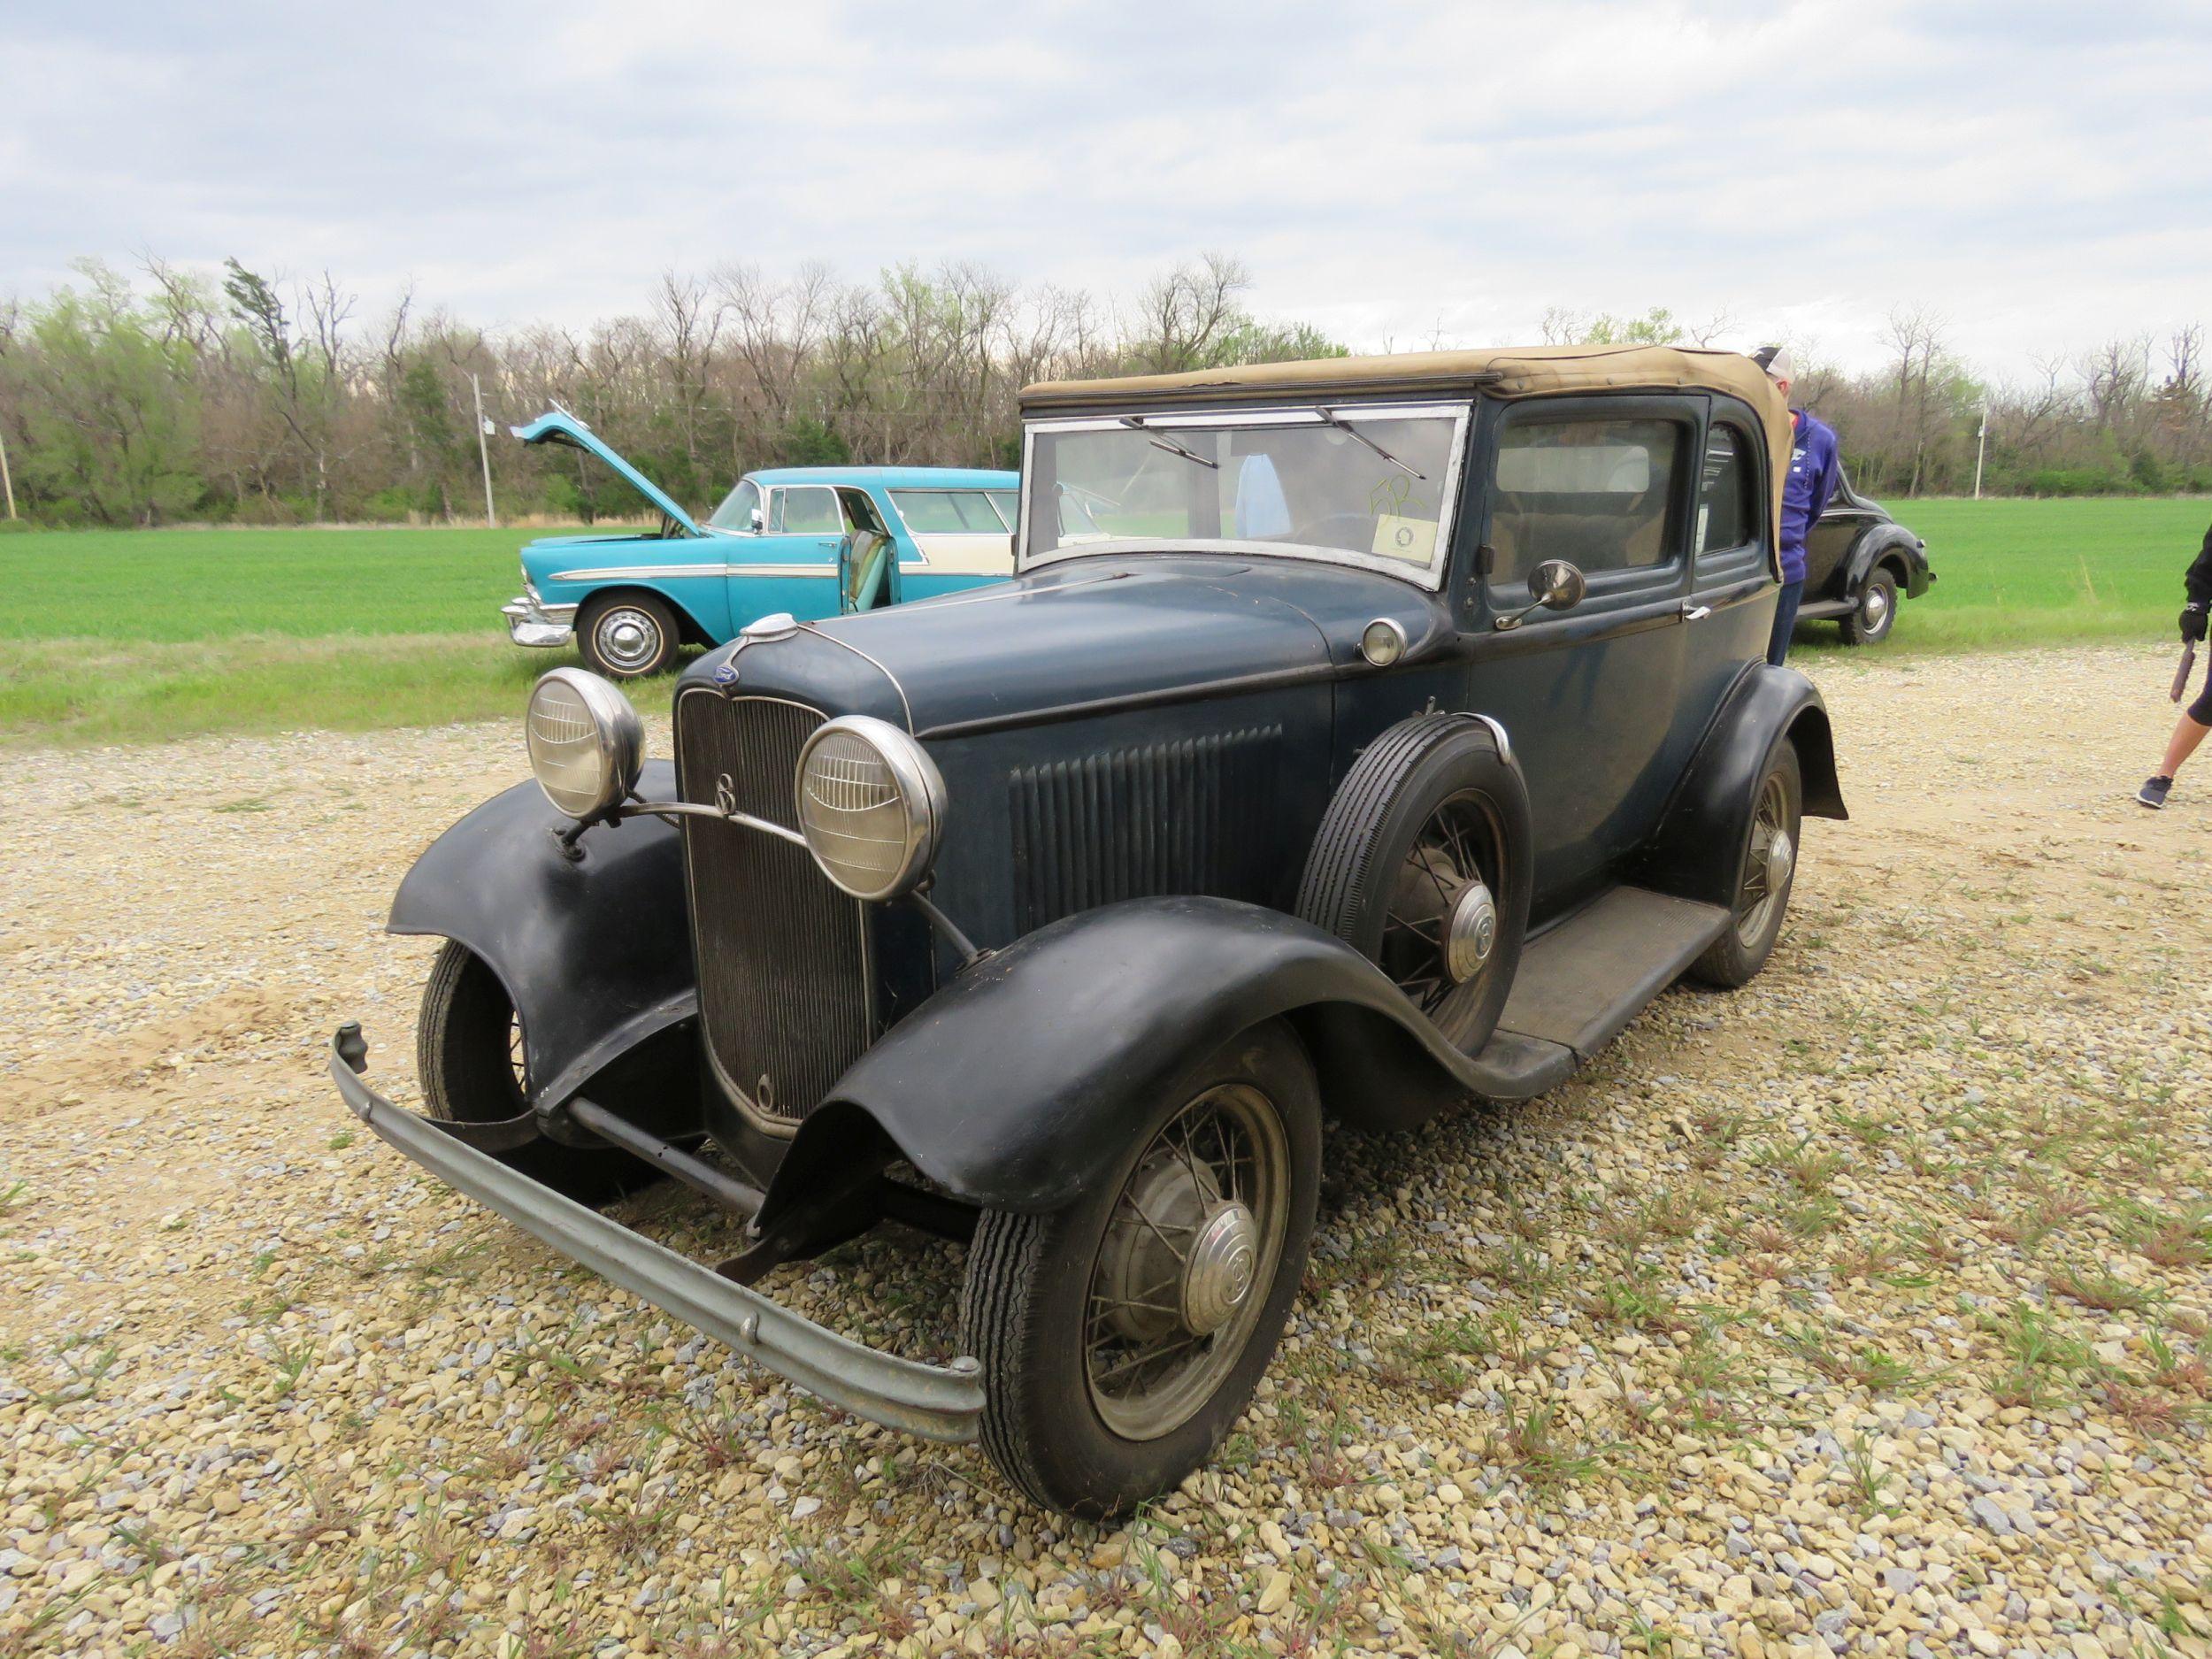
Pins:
x: 1580, y: 984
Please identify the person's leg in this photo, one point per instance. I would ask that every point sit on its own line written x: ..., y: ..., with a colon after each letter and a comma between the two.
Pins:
x: 1785, y: 620
x: 2188, y: 733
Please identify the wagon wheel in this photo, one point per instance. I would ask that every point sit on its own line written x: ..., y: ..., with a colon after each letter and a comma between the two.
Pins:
x: 1121, y: 1335
x: 1422, y: 863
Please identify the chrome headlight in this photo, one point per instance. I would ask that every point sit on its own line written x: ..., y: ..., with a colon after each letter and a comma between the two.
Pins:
x: 587, y: 743
x: 872, y: 805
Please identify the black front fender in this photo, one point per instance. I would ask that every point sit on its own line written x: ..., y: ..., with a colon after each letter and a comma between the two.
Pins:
x: 1698, y: 851
x: 1016, y: 1084
x: 595, y: 951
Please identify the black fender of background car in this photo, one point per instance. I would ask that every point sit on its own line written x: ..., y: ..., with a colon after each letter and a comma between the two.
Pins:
x: 594, y: 951
x: 1697, y: 852
x: 1015, y: 1086
x: 1889, y: 542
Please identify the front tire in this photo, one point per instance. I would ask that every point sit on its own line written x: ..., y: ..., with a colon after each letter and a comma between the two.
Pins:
x: 1767, y: 873
x: 1877, y: 615
x: 468, y: 1055
x: 1121, y: 1336
x: 627, y: 636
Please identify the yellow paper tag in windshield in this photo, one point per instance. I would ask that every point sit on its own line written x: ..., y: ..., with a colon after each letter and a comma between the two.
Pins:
x: 1413, y: 539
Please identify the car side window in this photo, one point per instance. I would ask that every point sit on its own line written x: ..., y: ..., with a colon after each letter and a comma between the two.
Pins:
x: 948, y: 512
x: 806, y: 510
x: 1009, y: 504
x: 1726, y: 517
x: 1594, y: 491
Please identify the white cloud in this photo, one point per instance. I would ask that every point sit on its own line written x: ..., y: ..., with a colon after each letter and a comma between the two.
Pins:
x: 2040, y: 173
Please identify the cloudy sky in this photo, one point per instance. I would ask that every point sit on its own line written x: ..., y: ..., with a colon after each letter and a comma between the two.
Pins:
x: 2038, y: 174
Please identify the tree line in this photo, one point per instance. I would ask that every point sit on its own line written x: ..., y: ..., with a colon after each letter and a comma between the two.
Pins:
x: 167, y: 395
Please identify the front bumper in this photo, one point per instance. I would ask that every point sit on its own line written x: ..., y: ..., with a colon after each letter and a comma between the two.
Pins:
x: 934, y: 1402
x: 531, y: 623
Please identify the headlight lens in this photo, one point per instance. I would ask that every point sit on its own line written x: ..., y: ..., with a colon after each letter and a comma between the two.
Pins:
x: 872, y: 805
x: 587, y: 743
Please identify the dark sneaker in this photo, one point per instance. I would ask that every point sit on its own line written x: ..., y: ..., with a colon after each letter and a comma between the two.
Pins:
x: 2154, y: 791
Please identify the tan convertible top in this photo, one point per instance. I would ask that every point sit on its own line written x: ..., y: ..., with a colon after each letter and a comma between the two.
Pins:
x: 1512, y: 372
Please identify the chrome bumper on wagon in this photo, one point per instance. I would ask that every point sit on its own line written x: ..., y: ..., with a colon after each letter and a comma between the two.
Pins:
x: 530, y: 623
x: 935, y: 1402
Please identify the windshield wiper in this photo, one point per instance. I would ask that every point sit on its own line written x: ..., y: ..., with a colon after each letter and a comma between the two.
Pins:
x: 1169, y: 444
x: 1357, y: 436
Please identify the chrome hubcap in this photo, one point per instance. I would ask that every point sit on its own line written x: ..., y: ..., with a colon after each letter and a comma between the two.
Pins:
x: 1876, y: 606
x: 628, y: 639
x: 1218, y: 1275
x: 1474, y: 930
x: 1183, y: 1269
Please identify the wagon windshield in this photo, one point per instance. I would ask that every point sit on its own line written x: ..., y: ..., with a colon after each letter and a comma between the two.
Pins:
x: 1360, y: 485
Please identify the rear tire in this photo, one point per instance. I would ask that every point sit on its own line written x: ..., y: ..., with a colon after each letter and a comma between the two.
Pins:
x: 1060, y: 1307
x: 468, y: 1055
x: 627, y: 636
x: 1430, y: 808
x: 1762, y: 890
x: 1877, y: 615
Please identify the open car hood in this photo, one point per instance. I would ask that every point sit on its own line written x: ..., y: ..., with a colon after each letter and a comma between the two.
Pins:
x: 560, y: 426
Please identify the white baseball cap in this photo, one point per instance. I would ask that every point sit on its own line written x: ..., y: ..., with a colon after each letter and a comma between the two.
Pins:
x: 1776, y: 361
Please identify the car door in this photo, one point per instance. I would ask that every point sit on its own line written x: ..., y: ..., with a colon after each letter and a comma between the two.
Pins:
x: 791, y: 565
x: 1588, y: 694
x: 1828, y: 543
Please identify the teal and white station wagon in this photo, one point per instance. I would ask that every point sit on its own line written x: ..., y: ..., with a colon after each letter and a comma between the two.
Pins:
x: 810, y: 541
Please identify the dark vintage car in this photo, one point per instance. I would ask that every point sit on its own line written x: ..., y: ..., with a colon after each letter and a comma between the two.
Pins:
x: 1859, y: 564
x: 1358, y: 737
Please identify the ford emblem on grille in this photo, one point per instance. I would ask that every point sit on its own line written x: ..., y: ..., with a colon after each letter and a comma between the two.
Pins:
x: 725, y: 794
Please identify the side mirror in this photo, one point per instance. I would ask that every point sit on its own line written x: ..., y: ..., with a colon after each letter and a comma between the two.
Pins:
x: 753, y: 520
x: 1554, y: 585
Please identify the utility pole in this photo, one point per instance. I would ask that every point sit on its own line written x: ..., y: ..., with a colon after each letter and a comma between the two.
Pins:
x: 484, y: 453
x: 1981, y: 449
x: 7, y: 484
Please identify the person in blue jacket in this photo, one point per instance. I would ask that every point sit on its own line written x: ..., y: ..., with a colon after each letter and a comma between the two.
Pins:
x: 1814, y: 473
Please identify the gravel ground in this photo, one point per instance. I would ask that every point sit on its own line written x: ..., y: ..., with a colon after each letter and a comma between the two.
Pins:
x: 1860, y: 1311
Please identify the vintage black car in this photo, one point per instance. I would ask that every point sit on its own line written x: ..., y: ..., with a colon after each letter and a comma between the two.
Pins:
x: 1358, y: 737
x: 1859, y: 563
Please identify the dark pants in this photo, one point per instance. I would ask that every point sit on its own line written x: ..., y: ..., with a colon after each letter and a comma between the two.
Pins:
x: 1785, y: 620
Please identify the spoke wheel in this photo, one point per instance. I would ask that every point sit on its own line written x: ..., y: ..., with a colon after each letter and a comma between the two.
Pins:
x: 1421, y: 864
x: 1122, y: 1333
x: 1770, y: 862
x: 1765, y: 877
x: 1439, y: 924
x: 1198, y: 1225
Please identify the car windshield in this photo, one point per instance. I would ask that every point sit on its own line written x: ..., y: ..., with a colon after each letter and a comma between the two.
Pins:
x: 739, y: 508
x: 1360, y: 485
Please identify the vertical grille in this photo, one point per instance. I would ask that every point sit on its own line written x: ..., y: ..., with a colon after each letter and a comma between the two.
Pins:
x: 1186, y: 817
x: 782, y: 955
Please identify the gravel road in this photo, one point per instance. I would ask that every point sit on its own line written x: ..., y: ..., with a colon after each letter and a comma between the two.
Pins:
x: 1861, y: 1311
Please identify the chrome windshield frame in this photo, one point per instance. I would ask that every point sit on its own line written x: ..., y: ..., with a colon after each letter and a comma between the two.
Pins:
x: 1460, y: 411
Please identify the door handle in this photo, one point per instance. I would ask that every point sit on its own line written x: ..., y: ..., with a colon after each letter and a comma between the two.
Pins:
x: 1692, y: 612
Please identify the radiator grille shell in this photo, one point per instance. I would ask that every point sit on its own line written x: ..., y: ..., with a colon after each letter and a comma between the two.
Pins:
x: 785, y: 980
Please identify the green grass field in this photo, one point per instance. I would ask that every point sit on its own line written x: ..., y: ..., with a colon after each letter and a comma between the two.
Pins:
x: 124, y: 636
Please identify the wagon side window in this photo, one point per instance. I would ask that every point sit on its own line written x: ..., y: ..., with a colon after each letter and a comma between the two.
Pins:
x: 1726, y: 517
x: 1597, y: 492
